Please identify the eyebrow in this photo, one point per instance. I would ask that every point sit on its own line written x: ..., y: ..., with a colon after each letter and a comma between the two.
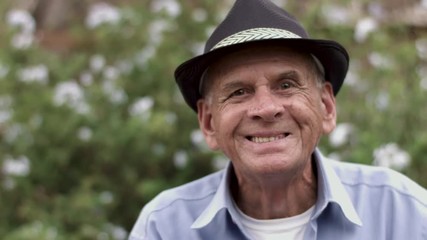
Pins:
x: 289, y: 74
x: 235, y: 84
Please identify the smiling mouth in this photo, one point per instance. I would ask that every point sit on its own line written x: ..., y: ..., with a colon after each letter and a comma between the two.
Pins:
x: 267, y: 139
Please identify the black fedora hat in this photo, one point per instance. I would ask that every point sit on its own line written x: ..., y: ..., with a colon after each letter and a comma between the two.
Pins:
x: 255, y: 21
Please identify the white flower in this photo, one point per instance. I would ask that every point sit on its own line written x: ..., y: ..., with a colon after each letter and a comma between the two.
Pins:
x: 111, y: 73
x: 84, y: 134
x: 353, y: 78
x: 5, y: 116
x: 341, y: 134
x: 197, y: 137
x: 199, y: 15
x: 382, y: 100
x: 39, y: 228
x: 156, y: 29
x: 363, y: 28
x: 380, y: 61
x: 391, y: 156
x: 170, y: 117
x: 117, y: 232
x: 220, y: 162
x: 421, y: 46
x: 145, y: 54
x: 38, y: 73
x: 70, y: 94
x: 118, y: 96
x: 4, y: 70
x: 13, y: 132
x: 279, y: 3
x: 22, y: 40
x: 25, y: 22
x: 171, y: 7
x: 67, y: 93
x: 16, y: 167
x: 335, y: 156
x: 180, y: 159
x: 209, y: 30
x: 141, y: 106
x: 423, y: 83
x: 21, y: 19
x: 197, y: 48
x: 86, y: 78
x: 102, y: 13
x: 115, y: 94
x: 376, y: 10
x: 422, y: 73
x: 336, y: 15
x: 124, y: 66
x: 97, y: 63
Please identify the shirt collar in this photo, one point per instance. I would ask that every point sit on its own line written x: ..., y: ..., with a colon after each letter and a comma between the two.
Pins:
x: 330, y: 190
x: 221, y: 200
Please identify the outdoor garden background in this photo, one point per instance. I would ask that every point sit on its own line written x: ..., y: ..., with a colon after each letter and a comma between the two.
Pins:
x: 92, y: 125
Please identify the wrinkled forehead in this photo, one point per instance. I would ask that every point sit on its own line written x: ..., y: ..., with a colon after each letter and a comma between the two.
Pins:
x: 260, y: 53
x: 253, y: 54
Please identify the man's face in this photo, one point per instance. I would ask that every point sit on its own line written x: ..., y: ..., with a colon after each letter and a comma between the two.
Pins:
x: 265, y: 109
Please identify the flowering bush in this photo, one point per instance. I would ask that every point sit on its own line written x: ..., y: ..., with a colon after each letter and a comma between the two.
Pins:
x: 90, y: 134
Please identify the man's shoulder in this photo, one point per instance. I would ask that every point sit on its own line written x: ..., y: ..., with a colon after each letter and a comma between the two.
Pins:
x: 375, y: 178
x: 189, y: 193
x: 176, y: 209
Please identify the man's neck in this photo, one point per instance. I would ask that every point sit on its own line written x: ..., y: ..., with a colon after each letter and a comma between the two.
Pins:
x: 269, y: 198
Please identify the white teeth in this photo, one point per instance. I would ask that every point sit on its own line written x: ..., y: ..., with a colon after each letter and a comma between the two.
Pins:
x: 265, y: 139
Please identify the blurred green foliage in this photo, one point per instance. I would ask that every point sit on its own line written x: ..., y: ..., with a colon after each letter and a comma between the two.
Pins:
x: 90, y: 133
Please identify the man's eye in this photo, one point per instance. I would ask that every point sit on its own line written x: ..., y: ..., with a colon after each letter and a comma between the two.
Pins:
x: 285, y: 85
x: 239, y: 92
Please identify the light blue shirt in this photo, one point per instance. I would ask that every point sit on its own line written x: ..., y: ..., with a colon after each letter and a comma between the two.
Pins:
x: 354, y: 202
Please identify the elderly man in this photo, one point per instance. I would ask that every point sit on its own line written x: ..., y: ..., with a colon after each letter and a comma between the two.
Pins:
x: 265, y: 93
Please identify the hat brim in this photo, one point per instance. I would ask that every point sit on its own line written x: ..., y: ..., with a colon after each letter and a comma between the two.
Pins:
x: 332, y: 55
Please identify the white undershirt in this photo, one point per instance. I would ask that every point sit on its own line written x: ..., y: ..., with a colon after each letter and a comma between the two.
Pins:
x: 275, y: 229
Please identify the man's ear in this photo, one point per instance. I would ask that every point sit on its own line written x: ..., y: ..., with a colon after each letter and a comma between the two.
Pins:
x: 204, y: 114
x: 328, y: 107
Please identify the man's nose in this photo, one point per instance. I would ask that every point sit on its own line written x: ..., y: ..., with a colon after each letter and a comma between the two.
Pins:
x: 265, y: 106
